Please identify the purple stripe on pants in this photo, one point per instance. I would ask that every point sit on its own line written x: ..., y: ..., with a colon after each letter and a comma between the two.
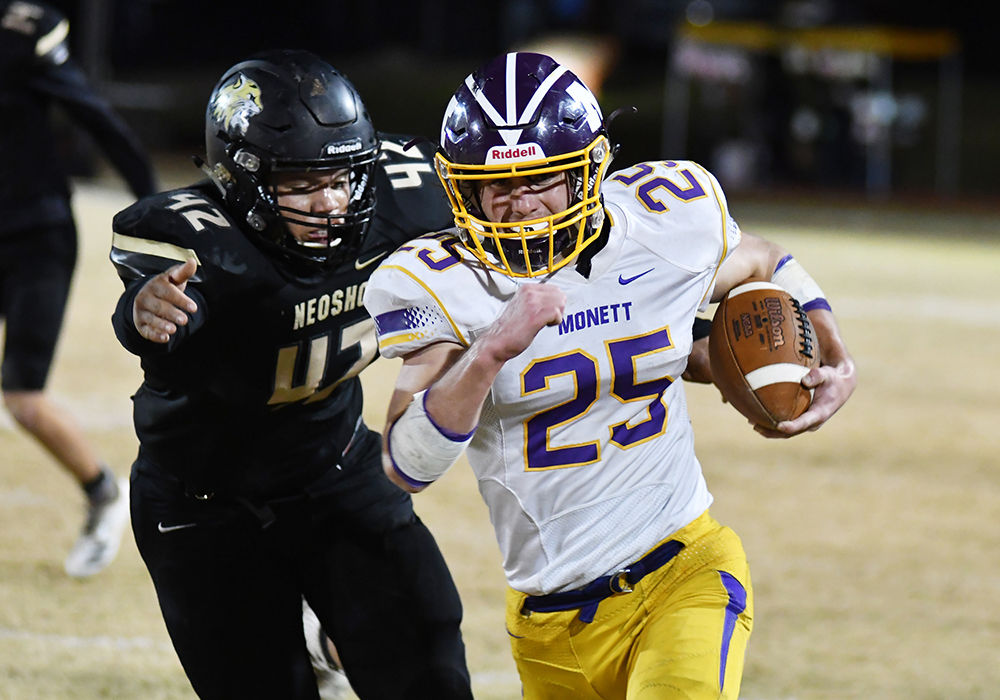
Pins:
x: 737, y: 604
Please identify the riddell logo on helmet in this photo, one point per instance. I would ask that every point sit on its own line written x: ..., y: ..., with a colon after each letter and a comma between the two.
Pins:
x: 336, y: 149
x: 515, y: 154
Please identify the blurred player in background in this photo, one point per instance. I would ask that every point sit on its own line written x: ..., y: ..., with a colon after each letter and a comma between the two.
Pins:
x: 38, y: 246
x: 546, y: 338
x: 257, y: 483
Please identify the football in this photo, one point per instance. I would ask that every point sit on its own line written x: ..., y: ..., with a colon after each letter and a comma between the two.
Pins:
x: 760, y: 346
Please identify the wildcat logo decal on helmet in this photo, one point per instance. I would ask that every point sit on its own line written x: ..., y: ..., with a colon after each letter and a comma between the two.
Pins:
x: 313, y: 120
x: 235, y: 104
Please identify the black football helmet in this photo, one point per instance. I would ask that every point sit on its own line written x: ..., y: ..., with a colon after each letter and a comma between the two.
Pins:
x: 291, y: 111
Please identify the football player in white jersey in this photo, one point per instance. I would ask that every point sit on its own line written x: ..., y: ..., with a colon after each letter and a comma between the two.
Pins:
x: 548, y: 334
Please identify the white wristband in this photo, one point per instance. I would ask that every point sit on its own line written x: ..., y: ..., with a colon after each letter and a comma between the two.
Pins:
x: 422, y: 451
x: 793, y: 278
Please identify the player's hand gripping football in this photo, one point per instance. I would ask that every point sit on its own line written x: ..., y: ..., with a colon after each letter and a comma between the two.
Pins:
x: 533, y: 307
x: 161, y: 306
x: 832, y: 382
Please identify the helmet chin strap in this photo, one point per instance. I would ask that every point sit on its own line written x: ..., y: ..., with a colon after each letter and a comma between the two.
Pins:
x: 585, y: 259
x: 224, y: 182
x: 216, y: 177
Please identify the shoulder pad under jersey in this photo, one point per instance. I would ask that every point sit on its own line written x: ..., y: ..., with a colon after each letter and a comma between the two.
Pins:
x: 168, y: 228
x: 431, y: 290
x: 677, y: 209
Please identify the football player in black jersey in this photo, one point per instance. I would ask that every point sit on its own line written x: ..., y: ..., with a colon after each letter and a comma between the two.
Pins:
x: 257, y: 483
x: 38, y: 247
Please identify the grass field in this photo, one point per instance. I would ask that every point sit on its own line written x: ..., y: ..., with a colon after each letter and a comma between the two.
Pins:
x: 873, y: 542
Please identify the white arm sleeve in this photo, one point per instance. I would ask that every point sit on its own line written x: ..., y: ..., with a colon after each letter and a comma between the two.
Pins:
x: 422, y: 451
x: 794, y: 279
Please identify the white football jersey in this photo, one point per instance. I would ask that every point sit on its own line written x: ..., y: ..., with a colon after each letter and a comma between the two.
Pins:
x: 584, y: 453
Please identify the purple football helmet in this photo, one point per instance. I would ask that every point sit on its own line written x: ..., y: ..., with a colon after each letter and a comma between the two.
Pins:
x: 524, y: 115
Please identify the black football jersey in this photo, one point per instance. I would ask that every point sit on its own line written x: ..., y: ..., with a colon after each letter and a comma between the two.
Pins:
x: 259, y: 393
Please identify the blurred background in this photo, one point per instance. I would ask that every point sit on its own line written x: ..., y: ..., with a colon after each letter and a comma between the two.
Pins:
x: 880, y: 98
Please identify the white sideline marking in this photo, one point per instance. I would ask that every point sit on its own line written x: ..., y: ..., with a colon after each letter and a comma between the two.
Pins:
x: 73, y: 641
x: 93, y: 411
x: 933, y: 307
x: 962, y: 310
x: 487, y: 679
x: 492, y: 679
x: 23, y: 497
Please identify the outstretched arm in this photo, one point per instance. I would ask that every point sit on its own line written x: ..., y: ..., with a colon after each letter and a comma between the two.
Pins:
x: 161, y: 306
x: 70, y: 87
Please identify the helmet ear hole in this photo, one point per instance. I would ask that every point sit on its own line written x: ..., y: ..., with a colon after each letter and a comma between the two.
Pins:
x: 246, y: 160
x: 598, y: 154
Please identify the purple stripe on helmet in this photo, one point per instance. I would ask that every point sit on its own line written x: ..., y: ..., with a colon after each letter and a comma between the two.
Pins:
x: 737, y: 604
x: 519, y: 99
x: 513, y: 86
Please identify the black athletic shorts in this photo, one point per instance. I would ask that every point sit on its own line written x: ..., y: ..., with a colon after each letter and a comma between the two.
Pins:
x: 36, y: 267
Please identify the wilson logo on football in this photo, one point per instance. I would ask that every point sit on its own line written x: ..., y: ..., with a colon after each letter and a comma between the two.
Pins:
x: 515, y: 154
x: 777, y: 319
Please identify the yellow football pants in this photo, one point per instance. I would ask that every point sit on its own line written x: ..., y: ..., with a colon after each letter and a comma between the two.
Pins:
x: 681, y: 633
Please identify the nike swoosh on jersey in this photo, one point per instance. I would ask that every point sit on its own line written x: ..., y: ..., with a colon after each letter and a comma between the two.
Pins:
x: 627, y: 280
x: 170, y: 528
x: 358, y: 265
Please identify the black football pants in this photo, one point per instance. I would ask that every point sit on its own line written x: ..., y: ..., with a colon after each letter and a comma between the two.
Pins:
x: 230, y: 577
